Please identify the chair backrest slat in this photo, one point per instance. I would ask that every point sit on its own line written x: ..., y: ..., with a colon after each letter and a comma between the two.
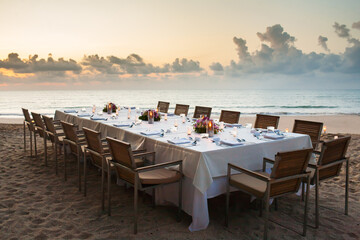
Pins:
x: 50, y: 127
x: 28, y: 120
x: 181, y: 109
x: 332, y: 151
x: 313, y: 129
x: 93, y: 139
x: 202, y: 111
x: 229, y: 116
x: 163, y: 106
x: 289, y: 164
x: 38, y: 123
x: 70, y: 135
x: 264, y: 121
x: 122, y: 154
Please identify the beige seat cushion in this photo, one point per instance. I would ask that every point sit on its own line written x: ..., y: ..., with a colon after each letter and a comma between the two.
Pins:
x: 159, y: 176
x: 249, y: 184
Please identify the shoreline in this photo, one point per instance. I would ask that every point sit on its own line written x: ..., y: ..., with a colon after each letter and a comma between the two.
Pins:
x: 337, y: 124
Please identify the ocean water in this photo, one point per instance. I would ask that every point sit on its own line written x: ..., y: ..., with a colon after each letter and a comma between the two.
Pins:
x: 248, y: 102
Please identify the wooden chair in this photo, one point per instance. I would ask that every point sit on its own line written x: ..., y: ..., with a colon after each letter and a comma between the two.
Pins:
x: 163, y: 107
x: 330, y: 161
x: 181, y: 109
x: 75, y: 139
x: 289, y: 169
x: 231, y: 117
x: 29, y: 122
x: 56, y: 135
x: 40, y: 129
x: 313, y: 129
x: 202, y: 111
x: 264, y: 121
x: 142, y: 178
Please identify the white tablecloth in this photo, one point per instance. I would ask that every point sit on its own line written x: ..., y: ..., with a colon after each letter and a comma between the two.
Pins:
x: 204, y: 165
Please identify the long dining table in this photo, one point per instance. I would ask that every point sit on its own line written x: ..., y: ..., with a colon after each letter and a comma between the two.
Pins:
x: 204, y: 164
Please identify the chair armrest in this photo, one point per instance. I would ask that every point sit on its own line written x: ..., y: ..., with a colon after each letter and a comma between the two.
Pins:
x: 317, y: 152
x: 144, y: 154
x: 248, y: 172
x: 267, y: 160
x: 160, y: 165
x: 139, y: 151
x: 310, y: 165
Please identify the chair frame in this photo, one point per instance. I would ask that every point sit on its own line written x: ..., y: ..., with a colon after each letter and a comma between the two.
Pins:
x: 266, y: 198
x: 163, y: 106
x: 304, y: 122
x: 179, y: 107
x: 223, y: 116
x: 29, y: 122
x: 137, y: 183
x: 78, y: 144
x: 319, y: 166
x: 205, y: 109
x: 53, y: 135
x: 259, y: 117
x: 40, y: 127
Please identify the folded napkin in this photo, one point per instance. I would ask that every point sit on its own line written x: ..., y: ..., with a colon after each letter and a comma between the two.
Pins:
x: 70, y: 111
x: 149, y: 133
x: 122, y: 125
x: 98, y: 118
x: 179, y: 141
x: 273, y: 136
x: 231, y: 142
x: 170, y: 114
x: 233, y: 125
x: 130, y: 107
x: 84, y: 115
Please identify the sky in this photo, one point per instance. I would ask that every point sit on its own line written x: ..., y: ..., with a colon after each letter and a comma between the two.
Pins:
x: 189, y: 44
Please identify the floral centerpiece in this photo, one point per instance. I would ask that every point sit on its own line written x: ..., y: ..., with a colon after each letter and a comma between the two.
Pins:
x: 200, y: 125
x: 144, y: 115
x: 110, y: 107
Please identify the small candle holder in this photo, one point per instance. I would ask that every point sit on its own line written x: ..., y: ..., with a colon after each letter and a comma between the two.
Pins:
x: 286, y: 130
x: 175, y: 123
x: 210, y: 128
x: 94, y: 109
x: 165, y: 117
x: 189, y: 130
x: 150, y: 117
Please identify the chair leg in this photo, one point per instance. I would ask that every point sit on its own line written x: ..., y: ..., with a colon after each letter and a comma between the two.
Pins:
x: 35, y: 144
x: 180, y: 200
x: 102, y: 180
x: 317, y: 199
x: 64, y: 149
x: 109, y: 190
x: 347, y: 188
x: 45, y: 149
x: 261, y: 208
x: 24, y: 125
x: 266, y: 216
x: 276, y: 204
x: 302, y: 191
x: 306, y: 204
x: 227, y: 204
x: 79, y: 155
x: 56, y: 160
x: 31, y: 148
x: 135, y: 204
x: 153, y: 197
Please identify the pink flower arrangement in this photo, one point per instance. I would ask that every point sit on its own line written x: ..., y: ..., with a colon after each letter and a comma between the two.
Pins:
x: 201, y: 124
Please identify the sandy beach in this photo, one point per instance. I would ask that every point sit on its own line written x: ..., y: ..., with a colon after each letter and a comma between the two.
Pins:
x: 37, y: 204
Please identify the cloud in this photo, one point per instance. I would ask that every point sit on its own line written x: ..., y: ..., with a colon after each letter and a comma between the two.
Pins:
x: 322, y: 42
x: 356, y: 25
x: 185, y: 66
x: 32, y: 65
x: 341, y: 30
x: 279, y: 55
x: 277, y: 38
x: 216, y: 67
x: 100, y: 64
